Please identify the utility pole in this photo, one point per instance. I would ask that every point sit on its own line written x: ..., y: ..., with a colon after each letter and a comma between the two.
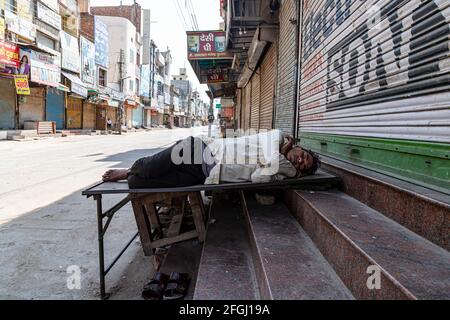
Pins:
x: 121, y: 78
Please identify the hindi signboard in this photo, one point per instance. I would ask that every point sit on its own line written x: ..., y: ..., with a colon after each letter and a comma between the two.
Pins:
x: 70, y: 53
x: 48, y: 16
x: 101, y: 43
x: 22, y: 85
x: 207, y: 45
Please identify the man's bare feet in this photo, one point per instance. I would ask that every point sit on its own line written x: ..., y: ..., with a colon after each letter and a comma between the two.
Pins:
x: 115, y: 175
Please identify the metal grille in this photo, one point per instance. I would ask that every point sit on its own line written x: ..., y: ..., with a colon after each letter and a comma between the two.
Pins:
x: 256, y: 94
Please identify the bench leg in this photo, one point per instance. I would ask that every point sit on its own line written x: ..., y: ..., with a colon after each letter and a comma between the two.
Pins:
x: 101, y: 252
x: 198, y: 213
x: 144, y: 227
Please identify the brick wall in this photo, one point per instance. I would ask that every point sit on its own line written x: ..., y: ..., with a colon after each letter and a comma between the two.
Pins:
x: 132, y: 13
x: 287, y: 66
x: 87, y: 26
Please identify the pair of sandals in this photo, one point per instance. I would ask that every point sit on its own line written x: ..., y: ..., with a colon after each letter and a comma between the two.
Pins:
x: 168, y: 288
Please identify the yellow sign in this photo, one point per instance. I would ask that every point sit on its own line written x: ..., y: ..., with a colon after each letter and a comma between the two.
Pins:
x: 22, y: 86
x: 2, y: 29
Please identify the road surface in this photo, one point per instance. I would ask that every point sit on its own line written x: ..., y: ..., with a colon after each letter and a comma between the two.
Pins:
x: 48, y: 231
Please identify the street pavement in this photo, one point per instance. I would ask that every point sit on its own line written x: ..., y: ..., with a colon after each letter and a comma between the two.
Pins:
x: 48, y: 231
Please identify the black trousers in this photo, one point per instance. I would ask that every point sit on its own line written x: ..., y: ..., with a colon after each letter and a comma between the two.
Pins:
x: 160, y: 171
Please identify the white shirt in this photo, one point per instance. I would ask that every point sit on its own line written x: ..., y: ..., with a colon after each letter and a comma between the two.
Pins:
x: 255, y: 158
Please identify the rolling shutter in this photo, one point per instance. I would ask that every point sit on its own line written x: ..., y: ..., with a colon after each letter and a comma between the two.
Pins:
x: 256, y: 101
x: 268, y: 76
x: 247, y: 106
x: 89, y: 116
x: 238, y: 108
x: 7, y: 103
x: 32, y: 107
x: 376, y: 68
x: 54, y: 107
x: 74, y: 112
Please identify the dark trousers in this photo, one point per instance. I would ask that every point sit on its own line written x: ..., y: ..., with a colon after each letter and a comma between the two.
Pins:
x: 159, y: 171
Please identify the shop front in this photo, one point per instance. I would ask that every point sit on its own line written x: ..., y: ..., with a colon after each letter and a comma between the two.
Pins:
x: 74, y: 110
x: 32, y: 106
x: 89, y: 116
x: 54, y: 107
x: 7, y: 103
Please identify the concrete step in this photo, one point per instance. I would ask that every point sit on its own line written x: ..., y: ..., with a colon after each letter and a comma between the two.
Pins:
x: 359, y: 241
x: 289, y: 266
x: 226, y: 270
x: 421, y: 210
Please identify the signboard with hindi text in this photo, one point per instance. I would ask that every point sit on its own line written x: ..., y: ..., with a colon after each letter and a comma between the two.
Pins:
x: 22, y: 85
x: 207, y: 45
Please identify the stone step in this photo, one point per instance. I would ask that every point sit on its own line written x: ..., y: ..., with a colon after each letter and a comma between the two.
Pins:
x: 360, y: 242
x: 226, y: 270
x: 289, y: 266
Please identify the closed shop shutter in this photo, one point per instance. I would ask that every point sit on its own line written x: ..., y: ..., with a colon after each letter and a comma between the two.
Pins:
x: 256, y: 101
x: 89, y: 116
x: 375, y: 77
x: 137, y: 117
x: 247, y: 106
x: 111, y: 113
x: 129, y: 115
x: 287, y: 66
x: 238, y: 108
x: 387, y: 78
x: 74, y: 112
x: 7, y: 103
x: 32, y: 107
x: 268, y: 75
x: 54, y: 107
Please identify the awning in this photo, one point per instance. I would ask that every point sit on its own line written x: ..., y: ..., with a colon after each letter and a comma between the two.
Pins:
x: 77, y: 86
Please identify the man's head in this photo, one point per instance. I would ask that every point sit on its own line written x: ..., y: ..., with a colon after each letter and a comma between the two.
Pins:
x: 305, y: 161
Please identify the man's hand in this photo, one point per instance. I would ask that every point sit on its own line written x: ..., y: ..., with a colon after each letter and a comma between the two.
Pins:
x: 287, y: 146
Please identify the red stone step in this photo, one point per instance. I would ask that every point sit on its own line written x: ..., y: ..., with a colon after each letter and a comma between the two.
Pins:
x: 288, y: 265
x: 354, y: 237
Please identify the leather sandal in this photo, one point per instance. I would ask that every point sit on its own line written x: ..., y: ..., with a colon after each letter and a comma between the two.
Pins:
x: 177, y: 286
x: 155, y: 288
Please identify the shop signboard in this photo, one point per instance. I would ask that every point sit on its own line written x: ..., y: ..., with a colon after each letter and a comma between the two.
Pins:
x: 45, y: 68
x: 52, y: 4
x: 70, y: 56
x: 22, y: 85
x: 2, y: 29
x: 87, y: 61
x: 9, y: 54
x: 48, y: 16
x: 101, y: 43
x: 25, y: 9
x: 207, y: 45
x: 20, y: 26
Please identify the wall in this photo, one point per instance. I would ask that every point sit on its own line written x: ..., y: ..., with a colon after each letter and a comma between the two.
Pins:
x: 121, y: 32
x: 287, y: 68
x: 133, y: 13
x: 374, y: 86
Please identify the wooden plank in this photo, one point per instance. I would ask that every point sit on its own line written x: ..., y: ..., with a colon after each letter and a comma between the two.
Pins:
x: 198, y: 214
x: 143, y: 226
x: 175, y: 226
x: 169, y: 241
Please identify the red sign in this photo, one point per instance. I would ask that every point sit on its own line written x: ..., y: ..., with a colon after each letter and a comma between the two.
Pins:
x: 9, y: 54
x: 207, y: 45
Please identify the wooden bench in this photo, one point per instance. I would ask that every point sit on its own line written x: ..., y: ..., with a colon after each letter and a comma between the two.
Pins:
x: 146, y: 204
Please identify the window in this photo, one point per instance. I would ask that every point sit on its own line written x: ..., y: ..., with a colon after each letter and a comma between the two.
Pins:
x: 102, y: 77
x: 131, y: 85
x: 131, y: 56
x: 137, y: 86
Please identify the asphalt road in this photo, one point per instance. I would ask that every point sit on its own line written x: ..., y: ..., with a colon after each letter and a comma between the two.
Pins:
x: 48, y: 232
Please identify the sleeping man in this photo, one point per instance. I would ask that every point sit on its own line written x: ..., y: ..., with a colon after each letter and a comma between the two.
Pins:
x: 260, y: 158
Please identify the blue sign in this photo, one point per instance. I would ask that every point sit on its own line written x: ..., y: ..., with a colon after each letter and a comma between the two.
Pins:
x: 145, y: 81
x: 101, y: 43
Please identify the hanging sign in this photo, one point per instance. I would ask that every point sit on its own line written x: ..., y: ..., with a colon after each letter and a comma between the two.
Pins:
x: 22, y: 85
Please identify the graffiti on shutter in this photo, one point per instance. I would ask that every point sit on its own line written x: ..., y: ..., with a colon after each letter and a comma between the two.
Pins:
x: 376, y: 68
x: 267, y: 88
x: 256, y: 101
